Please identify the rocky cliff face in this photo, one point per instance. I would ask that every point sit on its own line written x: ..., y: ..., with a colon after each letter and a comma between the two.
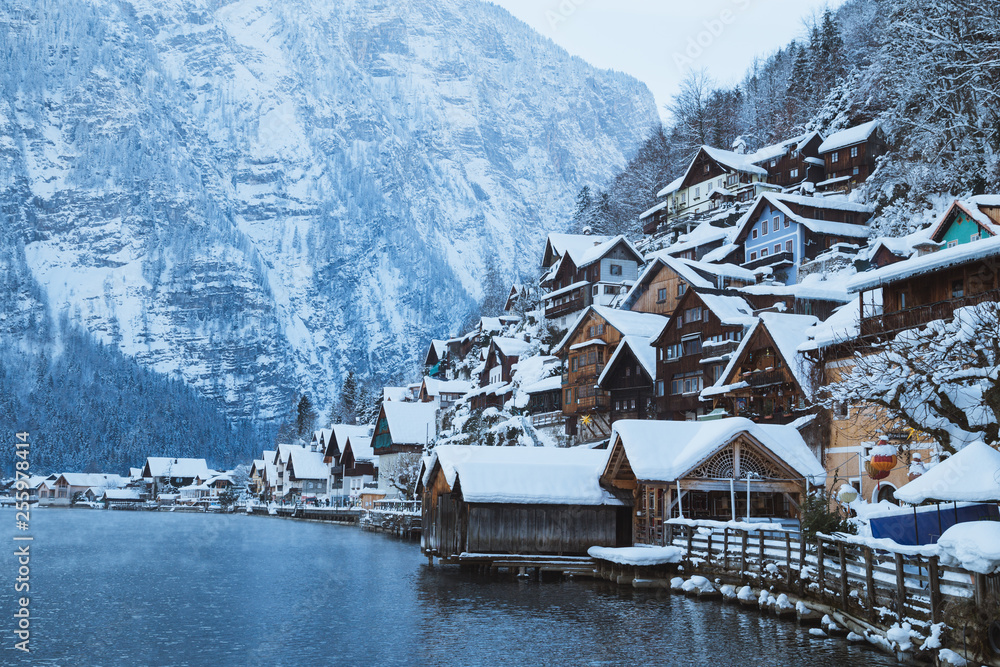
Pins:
x: 255, y: 196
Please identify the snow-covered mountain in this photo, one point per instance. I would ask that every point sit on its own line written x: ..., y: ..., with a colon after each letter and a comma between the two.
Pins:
x: 257, y: 195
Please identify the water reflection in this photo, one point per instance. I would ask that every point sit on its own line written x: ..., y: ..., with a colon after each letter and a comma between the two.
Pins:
x: 129, y: 588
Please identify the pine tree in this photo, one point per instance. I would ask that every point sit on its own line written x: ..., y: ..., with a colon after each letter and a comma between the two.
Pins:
x: 349, y: 398
x: 305, y: 419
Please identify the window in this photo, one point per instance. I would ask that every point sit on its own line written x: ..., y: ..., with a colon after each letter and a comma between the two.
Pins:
x: 763, y: 228
x: 682, y: 288
x: 795, y: 153
x: 753, y: 233
x: 794, y: 173
x: 618, y: 406
x: 835, y: 157
x: 753, y: 256
x: 952, y: 244
x: 659, y: 387
x: 691, y: 346
x: 705, y: 168
x: 673, y: 351
x: 576, y: 363
x: 692, y: 315
x: 777, y: 224
x: 787, y: 223
x: 697, y: 192
x: 974, y: 237
x: 721, y: 182
x: 628, y: 371
x: 661, y: 295
x: 856, y: 171
x: 569, y: 396
x: 595, y: 290
x: 732, y: 179
x: 777, y: 248
x: 774, y: 163
x: 687, y: 383
x: 788, y: 246
x: 717, y: 372
x: 854, y: 151
x: 957, y: 289
x: 902, y: 300
x: 763, y: 252
x: 616, y: 269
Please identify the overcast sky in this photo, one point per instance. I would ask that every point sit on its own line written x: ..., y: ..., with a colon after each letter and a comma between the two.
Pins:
x: 656, y: 40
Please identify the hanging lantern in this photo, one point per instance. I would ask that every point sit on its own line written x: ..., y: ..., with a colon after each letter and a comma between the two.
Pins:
x: 883, y: 457
x: 847, y: 494
x: 875, y: 473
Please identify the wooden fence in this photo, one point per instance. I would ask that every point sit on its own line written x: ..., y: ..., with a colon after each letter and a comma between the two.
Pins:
x: 840, y: 570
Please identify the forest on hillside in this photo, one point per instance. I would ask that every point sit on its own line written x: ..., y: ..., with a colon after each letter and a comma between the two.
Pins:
x: 929, y: 70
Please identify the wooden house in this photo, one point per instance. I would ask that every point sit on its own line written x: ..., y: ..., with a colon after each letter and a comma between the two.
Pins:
x: 666, y: 279
x: 810, y: 299
x: 69, y: 484
x: 443, y: 393
x: 165, y: 471
x: 705, y: 243
x: 359, y: 463
x: 598, y: 273
x: 334, y: 452
x: 585, y: 350
x: 494, y: 387
x: 792, y: 162
x: 694, y: 348
x: 967, y: 221
x: 401, y: 433
x: 850, y: 156
x: 517, y: 500
x: 629, y: 378
x: 783, y: 231
x: 436, y: 359
x: 766, y: 379
x: 909, y: 294
x: 258, y: 475
x: 708, y: 470
x: 306, y: 475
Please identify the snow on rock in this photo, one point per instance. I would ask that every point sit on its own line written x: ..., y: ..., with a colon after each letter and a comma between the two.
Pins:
x: 745, y: 594
x: 728, y: 592
x: 900, y: 635
x: 855, y: 637
x: 677, y: 584
x: 637, y: 555
x: 974, y: 545
x: 817, y: 632
x: 948, y: 657
x: 698, y: 584
x: 783, y: 603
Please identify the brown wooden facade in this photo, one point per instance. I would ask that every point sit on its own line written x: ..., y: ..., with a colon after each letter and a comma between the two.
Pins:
x: 708, y: 490
x: 692, y: 351
x: 792, y: 166
x: 584, y: 365
x: 853, y: 164
x: 586, y: 277
x: 630, y: 387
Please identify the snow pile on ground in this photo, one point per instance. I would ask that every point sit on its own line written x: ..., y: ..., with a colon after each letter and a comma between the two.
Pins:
x: 974, y: 545
x: 948, y: 657
x: 698, y: 585
x: 638, y: 555
x: 900, y: 635
x: 746, y: 594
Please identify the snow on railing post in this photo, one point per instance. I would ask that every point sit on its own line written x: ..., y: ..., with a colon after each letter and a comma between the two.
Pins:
x: 725, y: 548
x: 900, y: 587
x: 843, y: 574
x: 820, y: 565
x: 870, y: 592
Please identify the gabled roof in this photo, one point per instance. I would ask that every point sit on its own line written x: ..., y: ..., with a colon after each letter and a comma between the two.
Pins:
x: 97, y: 480
x: 780, y: 201
x: 780, y: 149
x: 521, y: 475
x: 258, y: 466
x: 916, y: 266
x: 728, y: 159
x: 558, y: 245
x: 626, y: 322
x: 307, y: 465
x: 701, y: 235
x: 361, y: 447
x: 511, y: 347
x: 971, y: 475
x: 641, y: 348
x: 411, y: 423
x: 437, y: 348
x: 596, y: 253
x: 731, y: 310
x: 699, y: 275
x: 394, y: 393
x: 971, y: 207
x: 434, y: 387
x: 342, y: 432
x: 282, y: 452
x: 849, y: 137
x: 161, y: 466
x: 665, y: 451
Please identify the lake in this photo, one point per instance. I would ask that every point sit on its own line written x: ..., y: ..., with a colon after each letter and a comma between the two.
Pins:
x: 160, y: 588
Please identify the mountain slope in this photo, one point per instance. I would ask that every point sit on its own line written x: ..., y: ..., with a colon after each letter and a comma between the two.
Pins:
x: 255, y: 196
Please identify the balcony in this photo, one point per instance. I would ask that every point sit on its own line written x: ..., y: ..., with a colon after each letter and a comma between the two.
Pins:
x: 783, y: 258
x: 917, y: 316
x: 571, y: 306
x: 764, y: 378
x: 592, y: 402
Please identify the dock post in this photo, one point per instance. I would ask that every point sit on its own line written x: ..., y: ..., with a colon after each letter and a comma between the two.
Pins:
x: 870, y: 596
x: 935, y: 580
x: 900, y: 587
x: 844, y: 593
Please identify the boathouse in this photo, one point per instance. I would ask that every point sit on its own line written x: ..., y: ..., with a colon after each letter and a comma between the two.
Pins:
x: 517, y: 500
x: 708, y: 470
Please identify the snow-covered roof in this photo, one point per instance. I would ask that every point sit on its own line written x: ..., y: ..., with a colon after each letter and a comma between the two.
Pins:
x: 439, y: 347
x: 566, y: 290
x: 361, y: 447
x: 815, y: 290
x: 971, y: 208
x: 343, y: 432
x: 411, y: 423
x: 595, y: 253
x: 849, y: 137
x: 667, y: 450
x: 98, y: 480
x: 308, y: 465
x: 699, y: 275
x: 162, y: 466
x: 576, y: 245
x: 736, y: 161
x: 671, y: 187
x: 780, y: 201
x: 258, y: 466
x: 703, y: 234
x: 394, y: 393
x: 645, y: 214
x: 626, y: 322
x: 511, y: 347
x: 120, y: 494
x: 522, y: 475
x: 641, y: 349
x: 778, y: 150
x: 915, y: 266
x: 282, y: 452
x: 843, y: 325
x: 548, y: 384
x: 435, y: 387
x: 972, y: 475
x: 731, y: 310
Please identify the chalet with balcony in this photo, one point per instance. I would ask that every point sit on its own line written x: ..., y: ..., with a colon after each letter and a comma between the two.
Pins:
x: 587, y: 274
x: 585, y: 349
x: 708, y: 470
x: 333, y: 454
x: 910, y: 294
x: 164, y: 471
x: 495, y: 380
x: 360, y: 465
x: 713, y: 179
x: 967, y: 221
x: 782, y: 231
x: 850, y: 156
x: 305, y: 474
x: 793, y: 162
x: 666, y: 279
x: 629, y: 378
x: 443, y: 393
x: 819, y: 299
x: 694, y: 348
x: 705, y: 243
x: 766, y: 379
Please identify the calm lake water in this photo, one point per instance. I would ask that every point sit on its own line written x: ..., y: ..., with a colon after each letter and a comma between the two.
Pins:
x: 136, y: 588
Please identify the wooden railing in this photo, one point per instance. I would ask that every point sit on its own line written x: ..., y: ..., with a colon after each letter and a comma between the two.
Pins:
x: 909, y: 318
x: 837, y: 569
x: 570, y: 306
x: 547, y: 419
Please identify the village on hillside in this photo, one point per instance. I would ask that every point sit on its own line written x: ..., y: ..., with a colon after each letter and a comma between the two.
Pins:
x: 745, y: 371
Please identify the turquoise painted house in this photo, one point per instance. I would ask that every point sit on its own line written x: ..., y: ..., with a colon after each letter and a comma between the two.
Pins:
x: 968, y: 220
